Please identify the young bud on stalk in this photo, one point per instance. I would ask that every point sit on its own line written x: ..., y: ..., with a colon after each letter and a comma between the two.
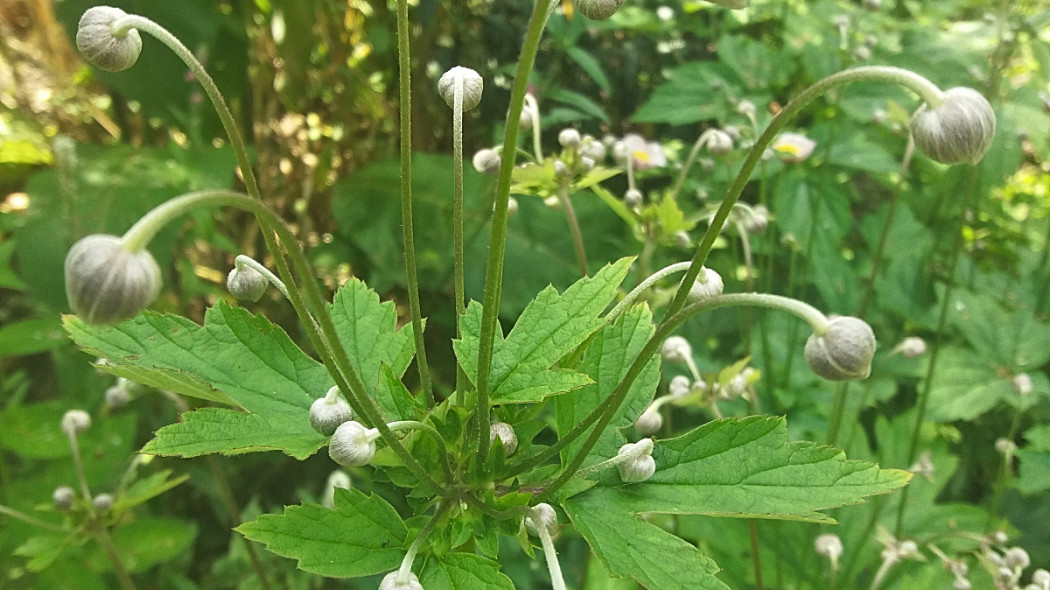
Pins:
x: 473, y: 86
x: 641, y: 466
x: 676, y: 349
x: 719, y: 143
x: 679, y: 386
x: 569, y: 137
x: 844, y: 351
x: 107, y: 283
x: 353, y: 445
x: 960, y: 129
x: 101, y: 46
x: 599, y: 9
x: 75, y: 421
x: 541, y: 515
x: 506, y: 435
x: 328, y: 412
x: 633, y: 198
x: 829, y: 546
x: 246, y: 283
x: 708, y: 284
x: 63, y: 497
x: 649, y: 422
x: 102, y: 502
x: 390, y: 582
x: 486, y: 161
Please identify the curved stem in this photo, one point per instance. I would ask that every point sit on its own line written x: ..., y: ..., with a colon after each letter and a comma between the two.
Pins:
x: 534, y: 118
x: 498, y: 238
x: 574, y: 228
x: 407, y: 228
x: 642, y: 287
x: 700, y: 141
x: 8, y: 511
x: 417, y: 543
x: 551, y: 556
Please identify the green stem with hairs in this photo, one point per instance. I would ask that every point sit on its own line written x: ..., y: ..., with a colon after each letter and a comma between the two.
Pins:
x: 574, y: 228
x: 407, y: 228
x: 498, y: 237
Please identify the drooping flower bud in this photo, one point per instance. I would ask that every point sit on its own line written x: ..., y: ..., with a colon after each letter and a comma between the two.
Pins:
x: 107, y: 283
x: 246, y: 283
x: 719, y: 142
x: 569, y: 137
x: 486, y: 161
x: 844, y: 351
x: 829, y: 546
x: 63, y: 497
x: 101, y: 46
x: 390, y: 582
x: 679, y: 386
x: 1022, y: 384
x: 336, y: 479
x: 75, y: 421
x: 541, y: 515
x: 641, y: 465
x: 708, y: 284
x: 599, y: 9
x: 353, y: 445
x: 328, y: 412
x: 473, y: 86
x: 118, y: 396
x: 676, y: 349
x: 505, y: 433
x: 961, y: 129
x: 912, y: 347
x: 650, y: 421
x: 633, y: 198
x: 512, y: 206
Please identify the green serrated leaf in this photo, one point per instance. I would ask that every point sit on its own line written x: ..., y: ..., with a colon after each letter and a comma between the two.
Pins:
x: 607, y: 359
x: 463, y: 571
x: 630, y: 547
x: 551, y: 326
x: 746, y: 468
x: 244, y: 356
x: 394, y: 398
x: 967, y: 384
x: 362, y: 536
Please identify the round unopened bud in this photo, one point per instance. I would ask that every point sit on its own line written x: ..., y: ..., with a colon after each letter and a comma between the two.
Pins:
x: 844, y: 351
x: 102, y: 502
x: 962, y: 584
x: 505, y: 433
x: 560, y: 168
x: 552, y: 202
x: 757, y: 220
x: 512, y: 206
x: 328, y: 412
x: 829, y: 546
x: 106, y: 283
x: 599, y: 9
x: 719, y: 142
x: 486, y: 161
x: 961, y: 129
x: 862, y: 53
x: 569, y: 137
x: 353, y: 445
x: 633, y: 198
x: 1005, y: 446
x: 246, y: 283
x: 1017, y: 558
x: 75, y: 421
x: 650, y: 421
x: 390, y: 582
x: 746, y: 108
x: 336, y: 479
x: 473, y: 86
x: 708, y: 284
x: 908, y: 548
x: 101, y: 46
x: 1022, y: 384
x: 541, y: 515
x: 641, y: 465
x: 63, y: 497
x: 1041, y: 577
x: 676, y: 350
x: 117, y: 396
x: 682, y: 239
x: 912, y: 346
x: 593, y: 149
x: 679, y: 386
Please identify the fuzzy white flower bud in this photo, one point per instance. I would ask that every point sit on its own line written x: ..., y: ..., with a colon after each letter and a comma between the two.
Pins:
x: 505, y: 433
x: 1022, y: 384
x: 569, y: 137
x: 912, y: 347
x: 328, y: 412
x: 102, y: 502
x: 486, y: 161
x: 1041, y: 578
x: 352, y: 444
x: 473, y: 86
x: 844, y: 351
x: 75, y: 421
x: 961, y: 129
x: 676, y: 350
x: 829, y: 546
x: 63, y: 497
x: 679, y: 386
x: 650, y: 421
x: 390, y: 582
x: 719, y: 142
x: 512, y: 207
x: 708, y: 284
x: 101, y: 46
x: 1017, y: 558
x: 246, y: 283
x: 541, y: 515
x: 598, y: 9
x: 682, y: 239
x: 633, y: 198
x: 592, y: 149
x: 106, y: 283
x: 336, y: 479
x: 641, y: 465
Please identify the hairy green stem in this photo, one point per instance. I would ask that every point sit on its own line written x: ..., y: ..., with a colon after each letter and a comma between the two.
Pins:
x: 126, y: 583
x: 8, y: 511
x: 498, y: 238
x: 417, y: 543
x: 574, y: 229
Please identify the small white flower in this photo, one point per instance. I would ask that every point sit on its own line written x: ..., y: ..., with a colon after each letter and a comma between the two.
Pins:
x: 793, y: 147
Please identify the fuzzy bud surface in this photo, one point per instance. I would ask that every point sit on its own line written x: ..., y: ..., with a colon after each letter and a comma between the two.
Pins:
x: 106, y: 283
x: 844, y: 352
x: 353, y: 445
x: 473, y: 85
x: 100, y: 46
x: 961, y: 129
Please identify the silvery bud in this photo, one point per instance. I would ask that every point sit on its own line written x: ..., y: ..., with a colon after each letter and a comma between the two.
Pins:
x: 390, y: 582
x: 353, y: 445
x: 246, y: 283
x: 328, y: 412
x: 117, y: 396
x: 75, y: 421
x: 512, y: 207
x: 641, y: 465
x: 844, y: 351
x: 486, y: 161
x: 593, y: 149
x: 676, y: 350
x: 960, y: 129
x: 1017, y: 558
x: 599, y: 9
x: 102, y: 502
x: 679, y: 386
x: 1022, y: 384
x: 649, y: 422
x: 829, y: 546
x: 633, y: 198
x: 912, y: 347
x: 336, y: 479
x: 63, y: 497
x: 708, y: 284
x: 541, y: 515
x: 101, y: 46
x: 719, y: 142
x: 569, y: 137
x: 682, y: 239
x: 505, y: 433
x: 473, y: 86
x: 107, y: 283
